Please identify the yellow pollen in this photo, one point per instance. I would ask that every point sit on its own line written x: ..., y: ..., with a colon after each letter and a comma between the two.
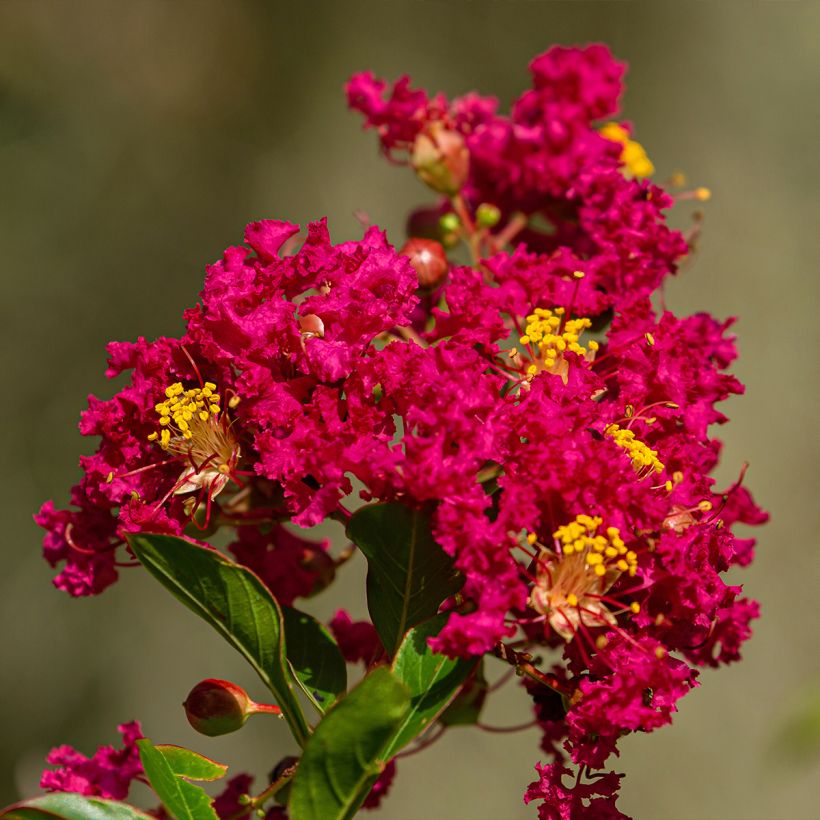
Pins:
x: 183, y: 408
x: 633, y: 154
x: 550, y: 337
x: 575, y: 575
x: 644, y: 459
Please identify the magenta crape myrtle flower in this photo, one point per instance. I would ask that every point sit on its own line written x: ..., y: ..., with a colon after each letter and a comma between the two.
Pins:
x: 554, y: 423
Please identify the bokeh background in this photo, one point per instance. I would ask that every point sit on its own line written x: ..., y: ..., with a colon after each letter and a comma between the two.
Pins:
x: 136, y: 139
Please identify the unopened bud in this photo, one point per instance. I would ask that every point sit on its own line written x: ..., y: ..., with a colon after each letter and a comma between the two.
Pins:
x: 449, y: 223
x: 487, y: 216
x: 216, y: 707
x: 441, y: 159
x: 311, y: 326
x: 428, y: 260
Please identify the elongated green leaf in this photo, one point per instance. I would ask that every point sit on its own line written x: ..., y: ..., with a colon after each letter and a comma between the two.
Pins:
x: 235, y: 602
x: 69, y: 806
x: 345, y: 755
x: 192, y: 765
x: 316, y: 661
x: 433, y: 680
x: 409, y: 575
x: 183, y: 800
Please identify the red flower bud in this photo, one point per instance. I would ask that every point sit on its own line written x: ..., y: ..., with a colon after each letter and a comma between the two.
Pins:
x: 216, y: 707
x: 428, y: 259
x: 441, y: 159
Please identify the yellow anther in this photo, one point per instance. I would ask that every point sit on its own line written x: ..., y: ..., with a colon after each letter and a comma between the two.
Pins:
x: 649, y: 338
x: 531, y: 538
x: 622, y: 565
x: 705, y: 506
x: 578, y: 274
x: 572, y: 599
x: 599, y: 569
x: 635, y: 607
x: 644, y: 459
x: 703, y: 194
x: 551, y: 337
x: 633, y: 155
x: 668, y: 486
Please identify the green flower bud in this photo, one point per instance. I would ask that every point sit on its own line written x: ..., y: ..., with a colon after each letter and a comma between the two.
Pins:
x: 449, y: 223
x: 487, y: 215
x: 441, y: 159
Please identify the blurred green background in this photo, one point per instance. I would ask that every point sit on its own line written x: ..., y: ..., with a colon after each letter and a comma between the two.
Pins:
x: 136, y: 139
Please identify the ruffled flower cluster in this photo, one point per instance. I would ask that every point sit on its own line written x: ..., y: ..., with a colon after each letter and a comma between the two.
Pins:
x: 556, y: 422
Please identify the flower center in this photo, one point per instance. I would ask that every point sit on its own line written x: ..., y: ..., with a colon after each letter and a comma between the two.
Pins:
x: 191, y: 427
x: 548, y: 336
x: 574, y: 575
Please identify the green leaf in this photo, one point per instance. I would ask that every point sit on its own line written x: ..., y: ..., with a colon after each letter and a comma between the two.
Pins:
x: 465, y: 709
x: 315, y: 658
x: 70, y: 806
x: 433, y: 680
x: 183, y: 800
x: 409, y: 575
x: 235, y: 602
x: 194, y: 766
x: 346, y: 753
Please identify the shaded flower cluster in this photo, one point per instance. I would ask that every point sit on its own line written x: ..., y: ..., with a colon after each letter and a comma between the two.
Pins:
x: 557, y: 423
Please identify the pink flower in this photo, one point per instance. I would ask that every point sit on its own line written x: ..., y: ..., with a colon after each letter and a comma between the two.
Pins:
x: 582, y: 801
x: 107, y: 774
x: 290, y: 566
x: 358, y: 640
x: 381, y: 787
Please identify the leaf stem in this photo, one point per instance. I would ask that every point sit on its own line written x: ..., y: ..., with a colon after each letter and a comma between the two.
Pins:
x: 266, y: 795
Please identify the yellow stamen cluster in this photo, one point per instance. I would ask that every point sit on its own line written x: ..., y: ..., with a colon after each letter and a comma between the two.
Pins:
x: 551, y: 336
x: 644, y: 459
x: 633, y: 154
x: 601, y: 552
x: 183, y: 410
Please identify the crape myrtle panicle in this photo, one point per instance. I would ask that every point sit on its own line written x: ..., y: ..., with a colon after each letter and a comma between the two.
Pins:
x: 554, y: 422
